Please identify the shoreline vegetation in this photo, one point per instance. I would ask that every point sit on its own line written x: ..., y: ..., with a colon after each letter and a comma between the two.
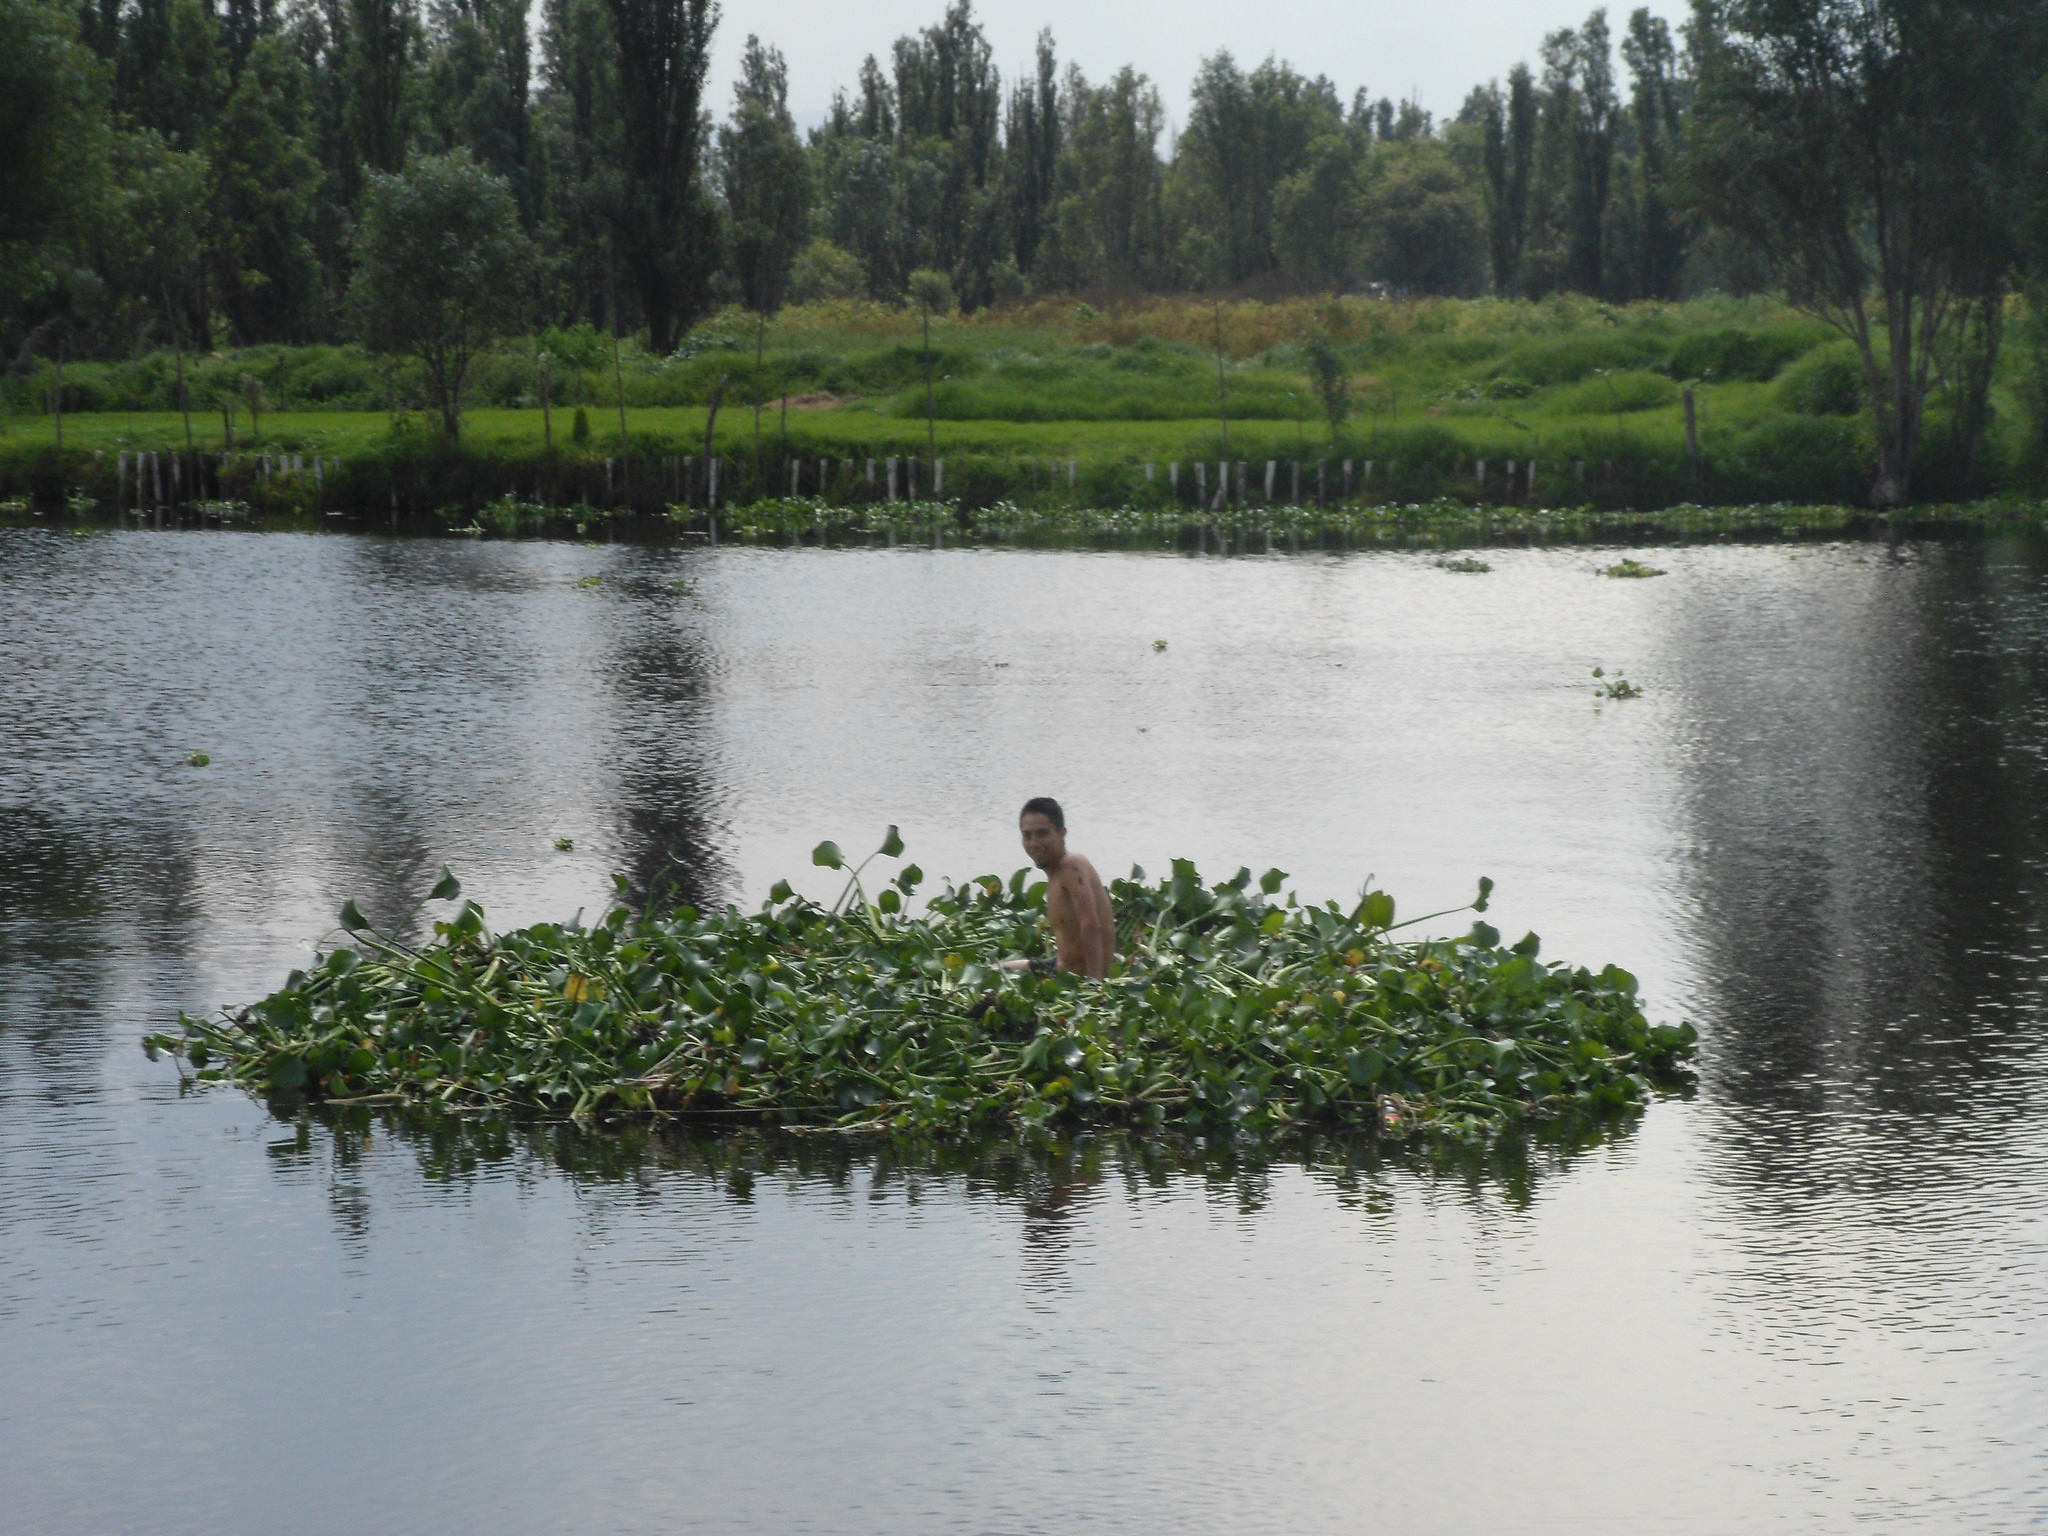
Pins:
x: 1256, y: 529
x: 1230, y: 1007
x: 1049, y: 405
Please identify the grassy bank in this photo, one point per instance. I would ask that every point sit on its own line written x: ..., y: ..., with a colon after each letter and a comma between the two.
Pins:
x: 1049, y: 402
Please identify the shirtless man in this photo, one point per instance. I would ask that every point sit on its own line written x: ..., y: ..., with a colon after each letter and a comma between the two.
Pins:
x: 1077, y: 906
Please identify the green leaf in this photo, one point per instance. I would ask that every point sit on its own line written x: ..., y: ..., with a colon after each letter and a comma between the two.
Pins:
x: 1270, y: 881
x: 352, y: 917
x: 1485, y: 893
x: 779, y: 892
x: 288, y: 1074
x: 892, y: 845
x: 1377, y: 910
x: 827, y: 856
x: 910, y: 877
x: 1485, y: 935
x: 1365, y: 1066
x: 447, y: 888
x: 889, y: 901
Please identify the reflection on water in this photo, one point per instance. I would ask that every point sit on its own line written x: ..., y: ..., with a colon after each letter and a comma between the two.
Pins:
x: 1807, y: 1298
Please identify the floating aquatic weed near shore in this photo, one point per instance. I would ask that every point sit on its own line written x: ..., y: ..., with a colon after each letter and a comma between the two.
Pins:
x: 1628, y: 567
x: 1469, y: 565
x: 198, y: 760
x: 1615, y: 687
x: 1229, y: 1007
x: 565, y: 845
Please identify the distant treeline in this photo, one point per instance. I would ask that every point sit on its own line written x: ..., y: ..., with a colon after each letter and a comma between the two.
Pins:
x: 199, y: 174
x: 219, y: 151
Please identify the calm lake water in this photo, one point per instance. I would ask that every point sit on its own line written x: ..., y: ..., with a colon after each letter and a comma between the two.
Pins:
x: 1808, y: 1298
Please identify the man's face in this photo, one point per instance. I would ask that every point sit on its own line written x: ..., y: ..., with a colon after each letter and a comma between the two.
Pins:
x: 1044, y: 843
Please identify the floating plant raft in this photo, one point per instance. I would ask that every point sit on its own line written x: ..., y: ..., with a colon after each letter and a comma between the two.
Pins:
x: 1229, y: 1006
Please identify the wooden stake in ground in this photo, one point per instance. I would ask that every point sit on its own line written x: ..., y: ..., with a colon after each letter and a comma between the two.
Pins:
x: 185, y: 404
x: 931, y: 427
x: 710, y: 421
x: 619, y: 378
x: 760, y: 339
x: 1692, y: 442
x: 547, y: 420
x: 1222, y: 385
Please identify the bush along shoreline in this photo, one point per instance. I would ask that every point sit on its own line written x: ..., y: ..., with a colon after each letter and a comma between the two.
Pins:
x: 1229, y: 1007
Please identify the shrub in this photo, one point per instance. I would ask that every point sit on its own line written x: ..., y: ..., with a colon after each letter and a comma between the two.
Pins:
x: 823, y: 270
x: 1576, y: 355
x: 1826, y: 382
x: 1729, y: 353
x: 1616, y: 393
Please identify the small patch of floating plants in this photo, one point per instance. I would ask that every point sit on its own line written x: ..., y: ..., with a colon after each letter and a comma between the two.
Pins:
x: 1230, y: 1006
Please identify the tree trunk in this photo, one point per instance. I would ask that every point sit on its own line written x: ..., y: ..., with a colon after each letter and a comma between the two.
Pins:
x: 711, y: 419
x: 1981, y: 345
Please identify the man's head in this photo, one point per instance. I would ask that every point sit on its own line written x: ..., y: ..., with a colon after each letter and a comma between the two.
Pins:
x: 1044, y: 827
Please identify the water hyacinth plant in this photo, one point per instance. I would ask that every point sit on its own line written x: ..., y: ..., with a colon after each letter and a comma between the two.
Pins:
x: 1228, y: 1006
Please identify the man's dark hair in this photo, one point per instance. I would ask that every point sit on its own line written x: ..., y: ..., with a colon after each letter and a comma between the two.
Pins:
x: 1049, y: 808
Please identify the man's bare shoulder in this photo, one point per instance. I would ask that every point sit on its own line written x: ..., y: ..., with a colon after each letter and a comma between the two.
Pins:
x: 1076, y: 872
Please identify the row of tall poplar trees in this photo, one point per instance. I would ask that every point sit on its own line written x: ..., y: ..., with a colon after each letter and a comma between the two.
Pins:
x: 206, y: 163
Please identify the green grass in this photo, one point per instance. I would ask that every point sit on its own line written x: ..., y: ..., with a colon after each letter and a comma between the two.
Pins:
x: 1436, y: 383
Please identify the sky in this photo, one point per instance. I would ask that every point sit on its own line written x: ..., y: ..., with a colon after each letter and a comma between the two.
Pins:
x: 1436, y: 51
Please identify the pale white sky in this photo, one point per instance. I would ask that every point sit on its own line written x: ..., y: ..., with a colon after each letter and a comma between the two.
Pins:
x: 1439, y: 50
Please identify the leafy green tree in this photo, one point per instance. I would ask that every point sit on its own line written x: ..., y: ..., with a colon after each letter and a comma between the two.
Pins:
x: 1578, y: 119
x: 441, y: 269
x: 577, y: 126
x: 824, y: 271
x: 480, y: 69
x: 861, y: 199
x: 266, y: 279
x: 1331, y: 381
x: 2034, y: 272
x: 1246, y: 134
x: 150, y: 243
x: 664, y: 223
x: 949, y: 111
x: 172, y: 70
x: 766, y: 179
x: 908, y: 174
x: 1874, y: 153
x: 1424, y: 228
x: 383, y: 39
x: 1031, y: 163
x: 1509, y: 158
x: 53, y: 143
x: 1111, y: 213
x: 1659, y: 98
x: 1315, y: 212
